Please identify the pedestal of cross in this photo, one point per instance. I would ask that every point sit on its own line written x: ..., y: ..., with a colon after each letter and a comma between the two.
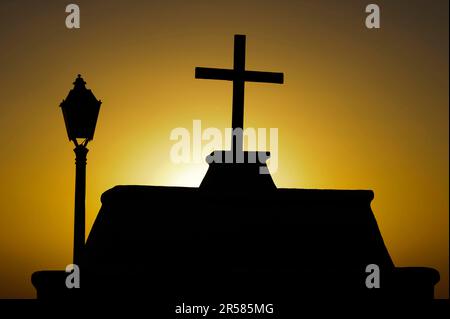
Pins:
x: 223, y: 163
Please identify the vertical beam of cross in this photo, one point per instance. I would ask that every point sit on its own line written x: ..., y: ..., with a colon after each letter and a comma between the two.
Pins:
x: 238, y: 82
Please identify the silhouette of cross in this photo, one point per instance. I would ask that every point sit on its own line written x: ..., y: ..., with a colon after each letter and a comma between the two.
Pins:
x: 239, y: 76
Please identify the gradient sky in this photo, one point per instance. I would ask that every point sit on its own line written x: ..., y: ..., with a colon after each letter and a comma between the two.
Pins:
x: 360, y: 109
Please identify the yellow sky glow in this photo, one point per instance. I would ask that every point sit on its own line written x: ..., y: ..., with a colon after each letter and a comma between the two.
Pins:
x: 359, y: 109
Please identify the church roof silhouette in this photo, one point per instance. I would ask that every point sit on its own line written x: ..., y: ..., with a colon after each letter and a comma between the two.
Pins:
x: 237, y: 236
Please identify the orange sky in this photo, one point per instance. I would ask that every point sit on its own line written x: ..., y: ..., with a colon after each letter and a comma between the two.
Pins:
x: 360, y: 109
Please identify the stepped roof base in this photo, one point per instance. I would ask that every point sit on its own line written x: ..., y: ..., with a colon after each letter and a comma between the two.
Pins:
x: 236, y: 238
x: 188, y: 244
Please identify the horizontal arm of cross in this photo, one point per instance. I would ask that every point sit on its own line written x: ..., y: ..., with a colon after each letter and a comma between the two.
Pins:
x: 230, y: 75
x: 214, y: 74
x: 266, y: 77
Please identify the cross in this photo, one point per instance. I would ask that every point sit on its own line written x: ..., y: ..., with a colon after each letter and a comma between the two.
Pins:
x: 239, y: 76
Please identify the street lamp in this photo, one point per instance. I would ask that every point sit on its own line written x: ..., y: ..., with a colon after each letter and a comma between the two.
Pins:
x: 80, y: 110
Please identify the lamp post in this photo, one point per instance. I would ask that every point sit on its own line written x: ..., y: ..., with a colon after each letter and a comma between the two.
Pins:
x: 80, y: 111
